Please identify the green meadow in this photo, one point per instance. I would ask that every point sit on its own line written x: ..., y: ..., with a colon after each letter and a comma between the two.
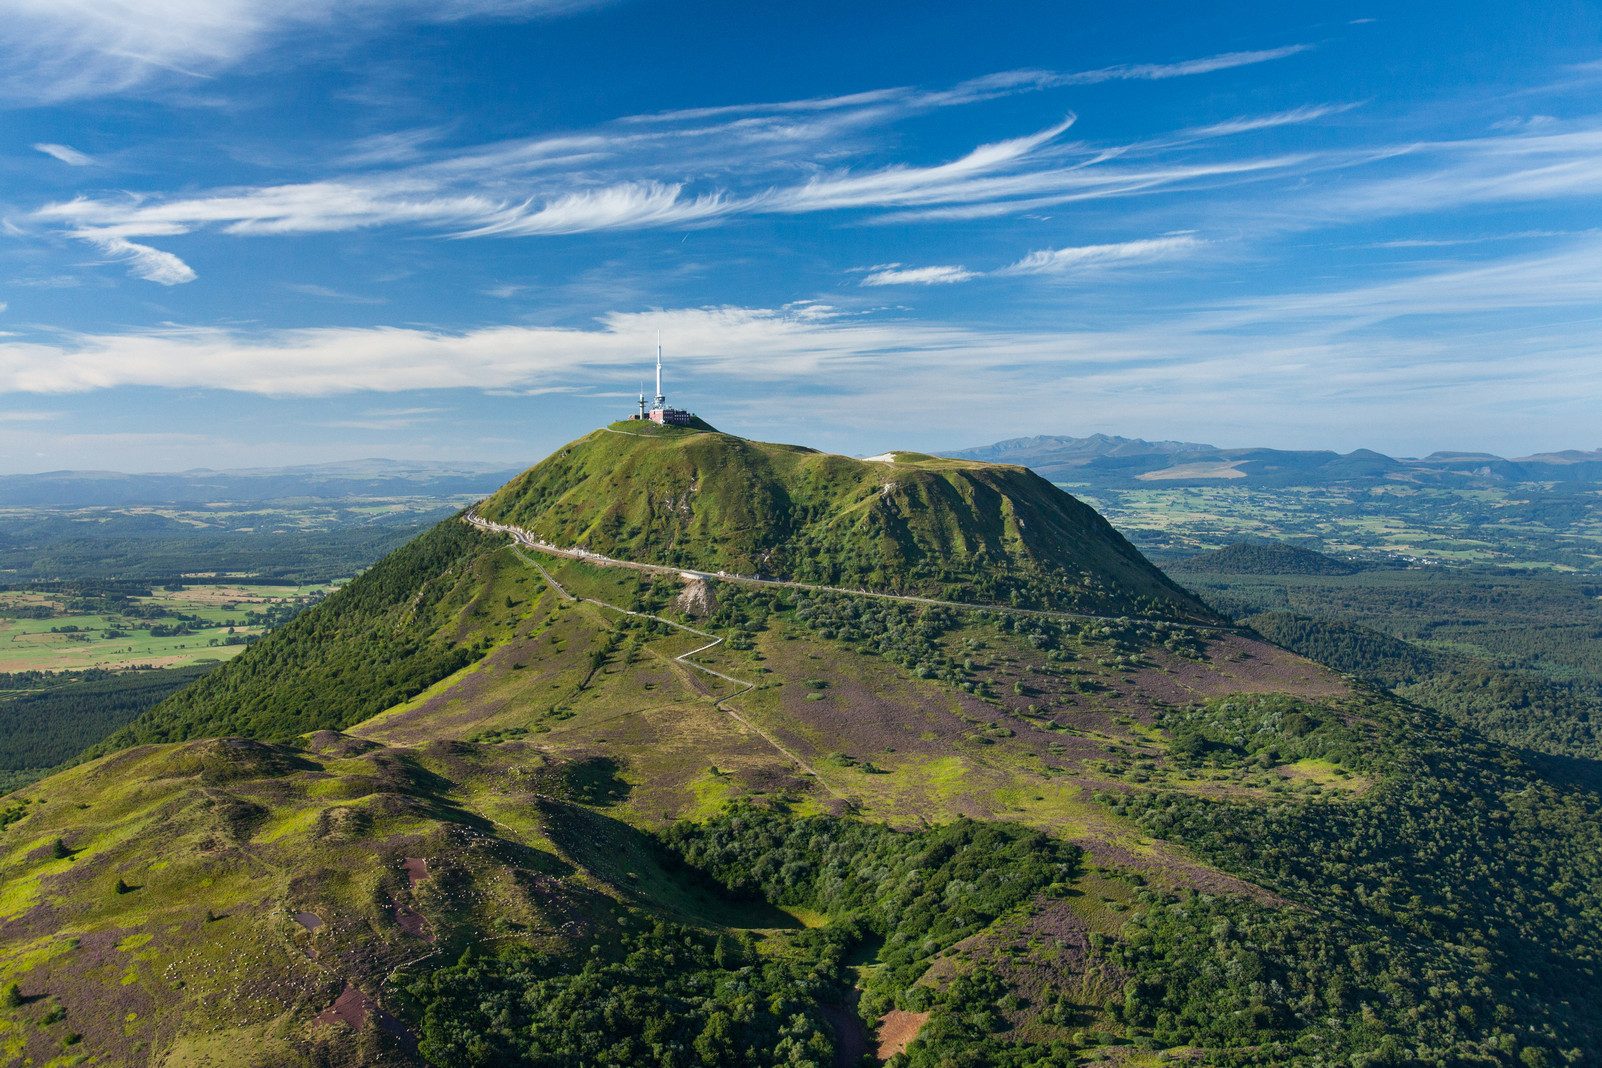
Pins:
x: 44, y: 631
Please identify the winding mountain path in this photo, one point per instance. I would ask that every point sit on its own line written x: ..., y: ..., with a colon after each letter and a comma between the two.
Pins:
x: 526, y: 539
x: 722, y: 703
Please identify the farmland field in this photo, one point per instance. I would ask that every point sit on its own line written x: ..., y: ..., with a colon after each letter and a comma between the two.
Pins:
x: 56, y: 631
x: 1516, y: 527
x: 281, y: 541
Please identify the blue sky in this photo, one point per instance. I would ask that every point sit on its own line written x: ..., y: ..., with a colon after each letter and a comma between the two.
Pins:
x: 251, y: 232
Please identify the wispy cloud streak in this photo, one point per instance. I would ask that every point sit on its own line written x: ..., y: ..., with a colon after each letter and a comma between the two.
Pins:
x: 1082, y: 257
x: 1182, y: 69
x: 65, y: 154
x: 151, y: 264
x: 57, y: 50
x: 918, y: 276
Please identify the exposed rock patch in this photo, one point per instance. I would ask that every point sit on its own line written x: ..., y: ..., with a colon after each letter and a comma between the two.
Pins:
x: 696, y: 598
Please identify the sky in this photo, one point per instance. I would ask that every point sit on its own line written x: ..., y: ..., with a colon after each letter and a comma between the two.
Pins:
x: 240, y: 233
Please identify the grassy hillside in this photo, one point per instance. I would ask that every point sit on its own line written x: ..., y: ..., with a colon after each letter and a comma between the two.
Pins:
x: 571, y: 815
x: 967, y: 531
x: 605, y: 825
x: 949, y: 528
x: 209, y: 903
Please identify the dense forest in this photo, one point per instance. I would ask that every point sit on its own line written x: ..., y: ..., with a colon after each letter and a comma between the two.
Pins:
x: 1453, y: 915
x: 1266, y: 558
x: 660, y: 994
x: 1518, y: 706
x: 373, y: 643
x: 670, y: 995
x: 1514, y: 656
x: 46, y: 719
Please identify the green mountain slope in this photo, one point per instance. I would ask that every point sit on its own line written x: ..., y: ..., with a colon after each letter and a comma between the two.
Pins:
x: 395, y: 630
x: 965, y: 531
x: 960, y: 530
x: 583, y: 814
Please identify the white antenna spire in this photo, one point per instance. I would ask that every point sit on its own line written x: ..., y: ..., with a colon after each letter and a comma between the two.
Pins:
x: 661, y: 401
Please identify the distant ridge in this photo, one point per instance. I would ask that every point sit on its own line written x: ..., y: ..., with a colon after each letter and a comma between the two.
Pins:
x: 1112, y: 460
x: 1266, y: 558
x: 346, y: 478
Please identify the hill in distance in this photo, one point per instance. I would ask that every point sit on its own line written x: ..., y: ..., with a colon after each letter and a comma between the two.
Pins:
x: 355, y: 478
x: 1266, y: 558
x: 1102, y: 459
x: 491, y: 804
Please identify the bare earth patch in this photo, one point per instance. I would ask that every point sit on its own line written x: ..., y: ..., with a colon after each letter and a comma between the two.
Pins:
x: 413, y: 923
x: 416, y: 869
x: 351, y: 1008
x: 897, y: 1030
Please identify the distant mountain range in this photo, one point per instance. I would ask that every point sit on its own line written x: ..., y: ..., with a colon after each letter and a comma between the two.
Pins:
x: 1102, y: 459
x: 352, y: 478
x: 1098, y: 460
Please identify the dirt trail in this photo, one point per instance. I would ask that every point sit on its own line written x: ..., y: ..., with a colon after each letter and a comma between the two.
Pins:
x: 722, y: 704
x: 526, y: 539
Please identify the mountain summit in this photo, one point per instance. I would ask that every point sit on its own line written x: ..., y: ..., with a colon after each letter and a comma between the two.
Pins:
x: 902, y: 523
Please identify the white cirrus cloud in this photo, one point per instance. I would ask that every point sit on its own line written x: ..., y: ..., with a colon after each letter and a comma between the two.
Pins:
x: 65, y: 153
x: 304, y: 208
x: 1183, y: 68
x: 151, y: 264
x: 1522, y: 167
x: 56, y: 50
x: 1250, y: 123
x: 919, y: 276
x: 897, y: 185
x: 1079, y: 257
x: 975, y: 90
x: 628, y: 205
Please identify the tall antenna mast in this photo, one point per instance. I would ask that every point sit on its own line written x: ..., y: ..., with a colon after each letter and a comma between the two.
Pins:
x: 661, y: 401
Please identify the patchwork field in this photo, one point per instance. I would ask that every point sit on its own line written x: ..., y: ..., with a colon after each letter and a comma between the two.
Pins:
x: 84, y: 629
x: 1520, y: 527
